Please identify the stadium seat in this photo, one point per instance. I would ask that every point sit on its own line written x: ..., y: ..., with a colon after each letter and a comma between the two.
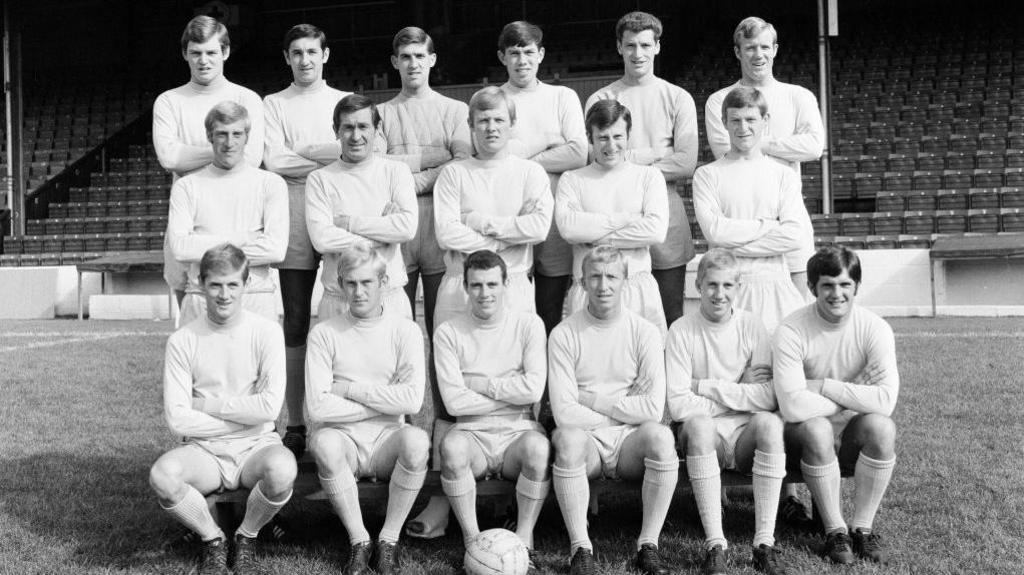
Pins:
x: 887, y: 223
x: 882, y: 242
x: 951, y: 221
x: 890, y: 202
x: 983, y: 198
x: 952, y: 200
x: 866, y: 185
x: 897, y: 181
x: 960, y: 161
x: 854, y: 243
x: 826, y: 224
x: 988, y: 178
x: 1011, y: 197
x: 1011, y: 219
x: 1014, y: 177
x: 855, y: 224
x: 919, y: 222
x: 984, y: 221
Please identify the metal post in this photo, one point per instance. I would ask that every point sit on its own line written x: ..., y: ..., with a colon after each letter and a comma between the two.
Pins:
x: 825, y: 90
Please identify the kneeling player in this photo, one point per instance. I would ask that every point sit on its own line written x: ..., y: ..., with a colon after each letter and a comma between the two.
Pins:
x: 836, y: 381
x: 718, y: 367
x: 491, y: 367
x: 606, y: 379
x: 364, y: 374
x: 223, y: 389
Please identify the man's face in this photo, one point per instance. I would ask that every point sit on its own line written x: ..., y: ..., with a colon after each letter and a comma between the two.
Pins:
x: 413, y: 63
x: 229, y: 143
x: 223, y: 292
x: 355, y: 131
x: 610, y: 144
x: 306, y: 57
x: 522, y: 63
x: 206, y: 60
x: 602, y: 283
x: 364, y: 290
x: 717, y: 289
x: 491, y: 130
x: 745, y: 127
x: 486, y: 292
x: 756, y: 56
x: 638, y: 50
x: 834, y: 296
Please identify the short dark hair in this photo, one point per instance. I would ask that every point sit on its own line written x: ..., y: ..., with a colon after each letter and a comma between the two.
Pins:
x: 606, y: 112
x: 304, y: 31
x: 520, y: 33
x: 412, y: 35
x: 202, y: 28
x: 483, y: 260
x: 744, y: 97
x: 637, y: 22
x: 831, y: 261
x: 223, y: 258
x: 353, y: 103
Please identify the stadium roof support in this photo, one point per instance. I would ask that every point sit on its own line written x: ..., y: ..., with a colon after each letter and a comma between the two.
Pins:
x: 15, y: 181
x: 826, y: 8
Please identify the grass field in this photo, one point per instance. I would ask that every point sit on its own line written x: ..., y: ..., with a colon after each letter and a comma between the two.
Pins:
x: 80, y: 405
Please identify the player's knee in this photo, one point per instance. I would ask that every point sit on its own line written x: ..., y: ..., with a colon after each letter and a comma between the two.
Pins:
x: 768, y: 429
x: 281, y: 471
x: 165, y: 479
x: 326, y: 452
x: 816, y: 439
x: 657, y: 440
x: 536, y: 451
x: 569, y: 444
x: 454, y: 452
x: 879, y: 433
x: 415, y: 448
x: 697, y: 435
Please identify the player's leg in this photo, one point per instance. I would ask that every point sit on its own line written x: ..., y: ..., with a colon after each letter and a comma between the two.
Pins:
x: 402, y: 456
x: 816, y: 442
x: 527, y: 459
x: 411, y: 288
x: 431, y: 283
x: 670, y: 285
x: 576, y: 461
x: 549, y: 298
x: 336, y: 461
x: 180, y: 478
x: 697, y: 440
x: 650, y: 452
x: 296, y: 295
x: 760, y: 451
x: 869, y: 446
x: 270, y: 474
x: 462, y: 460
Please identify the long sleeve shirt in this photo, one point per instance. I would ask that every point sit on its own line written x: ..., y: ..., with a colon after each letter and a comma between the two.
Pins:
x: 605, y: 372
x: 179, y: 132
x: 364, y: 370
x: 704, y: 362
x: 549, y: 130
x: 625, y: 207
x: 795, y: 133
x: 414, y: 127
x: 815, y: 363
x: 361, y: 191
x: 299, y: 120
x: 244, y: 206
x: 503, y: 205
x: 224, y: 382
x: 494, y: 367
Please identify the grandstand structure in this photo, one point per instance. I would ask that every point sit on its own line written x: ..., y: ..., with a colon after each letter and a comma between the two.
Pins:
x: 926, y: 127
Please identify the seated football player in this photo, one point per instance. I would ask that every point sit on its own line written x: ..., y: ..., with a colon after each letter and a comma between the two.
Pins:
x: 364, y: 374
x: 224, y: 381
x: 491, y: 366
x: 718, y: 368
x: 836, y: 381
x: 606, y: 381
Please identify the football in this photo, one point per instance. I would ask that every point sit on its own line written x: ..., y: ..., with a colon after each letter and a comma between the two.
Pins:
x: 496, y: 552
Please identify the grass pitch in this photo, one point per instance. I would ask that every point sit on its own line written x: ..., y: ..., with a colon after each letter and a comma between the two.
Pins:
x: 81, y: 407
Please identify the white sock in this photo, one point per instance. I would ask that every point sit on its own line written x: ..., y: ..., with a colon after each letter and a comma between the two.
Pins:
x: 259, y: 511
x: 402, y: 491
x: 706, y: 482
x: 461, y: 492
x: 530, y: 496
x: 825, y: 485
x: 572, y: 490
x: 295, y: 388
x: 870, y: 479
x: 435, y: 514
x: 344, y: 497
x: 192, y: 512
x: 660, y: 479
x: 769, y: 470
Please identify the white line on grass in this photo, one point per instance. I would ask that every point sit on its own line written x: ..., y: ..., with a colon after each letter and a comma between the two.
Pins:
x: 83, y: 333
x: 98, y: 337
x: 965, y: 334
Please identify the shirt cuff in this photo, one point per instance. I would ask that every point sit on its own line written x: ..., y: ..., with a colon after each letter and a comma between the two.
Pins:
x: 604, y: 403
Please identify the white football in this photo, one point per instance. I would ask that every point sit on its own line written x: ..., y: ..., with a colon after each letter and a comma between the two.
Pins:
x: 496, y: 552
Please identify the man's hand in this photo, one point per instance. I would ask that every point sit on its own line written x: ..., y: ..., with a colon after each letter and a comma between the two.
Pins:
x: 529, y: 206
x: 340, y: 388
x: 756, y: 374
x: 433, y: 157
x: 587, y: 398
x: 401, y: 374
x: 872, y: 374
x: 641, y: 386
x: 477, y: 383
x: 342, y: 221
x: 620, y: 220
x: 198, y: 404
x: 475, y: 221
x: 391, y: 208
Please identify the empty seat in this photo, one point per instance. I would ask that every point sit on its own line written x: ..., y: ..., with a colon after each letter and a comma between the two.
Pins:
x: 927, y: 161
x: 825, y: 224
x: 984, y: 221
x: 898, y: 181
x: 957, y: 179
x: 855, y: 224
x: 952, y: 200
x: 866, y: 185
x: 1011, y: 219
x: 988, y: 178
x: 950, y: 221
x: 1011, y: 197
x: 960, y: 161
x: 911, y: 241
x: 882, y: 242
x: 890, y: 202
x: 854, y: 243
x: 919, y: 222
x: 1013, y: 177
x: 983, y: 198
x: 989, y: 160
x: 887, y: 223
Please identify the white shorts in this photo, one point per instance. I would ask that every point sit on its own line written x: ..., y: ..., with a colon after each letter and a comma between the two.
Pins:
x: 367, y: 438
x: 728, y: 428
x: 493, y: 440
x: 265, y: 304
x: 608, y: 441
x: 771, y: 297
x: 395, y: 303
x: 639, y: 294
x: 231, y: 455
x: 452, y: 300
x: 175, y: 272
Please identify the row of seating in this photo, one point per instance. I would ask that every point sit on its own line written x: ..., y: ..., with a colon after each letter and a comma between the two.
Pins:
x: 987, y: 220
x: 149, y: 207
x: 96, y: 225
x: 871, y: 184
x: 109, y: 242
